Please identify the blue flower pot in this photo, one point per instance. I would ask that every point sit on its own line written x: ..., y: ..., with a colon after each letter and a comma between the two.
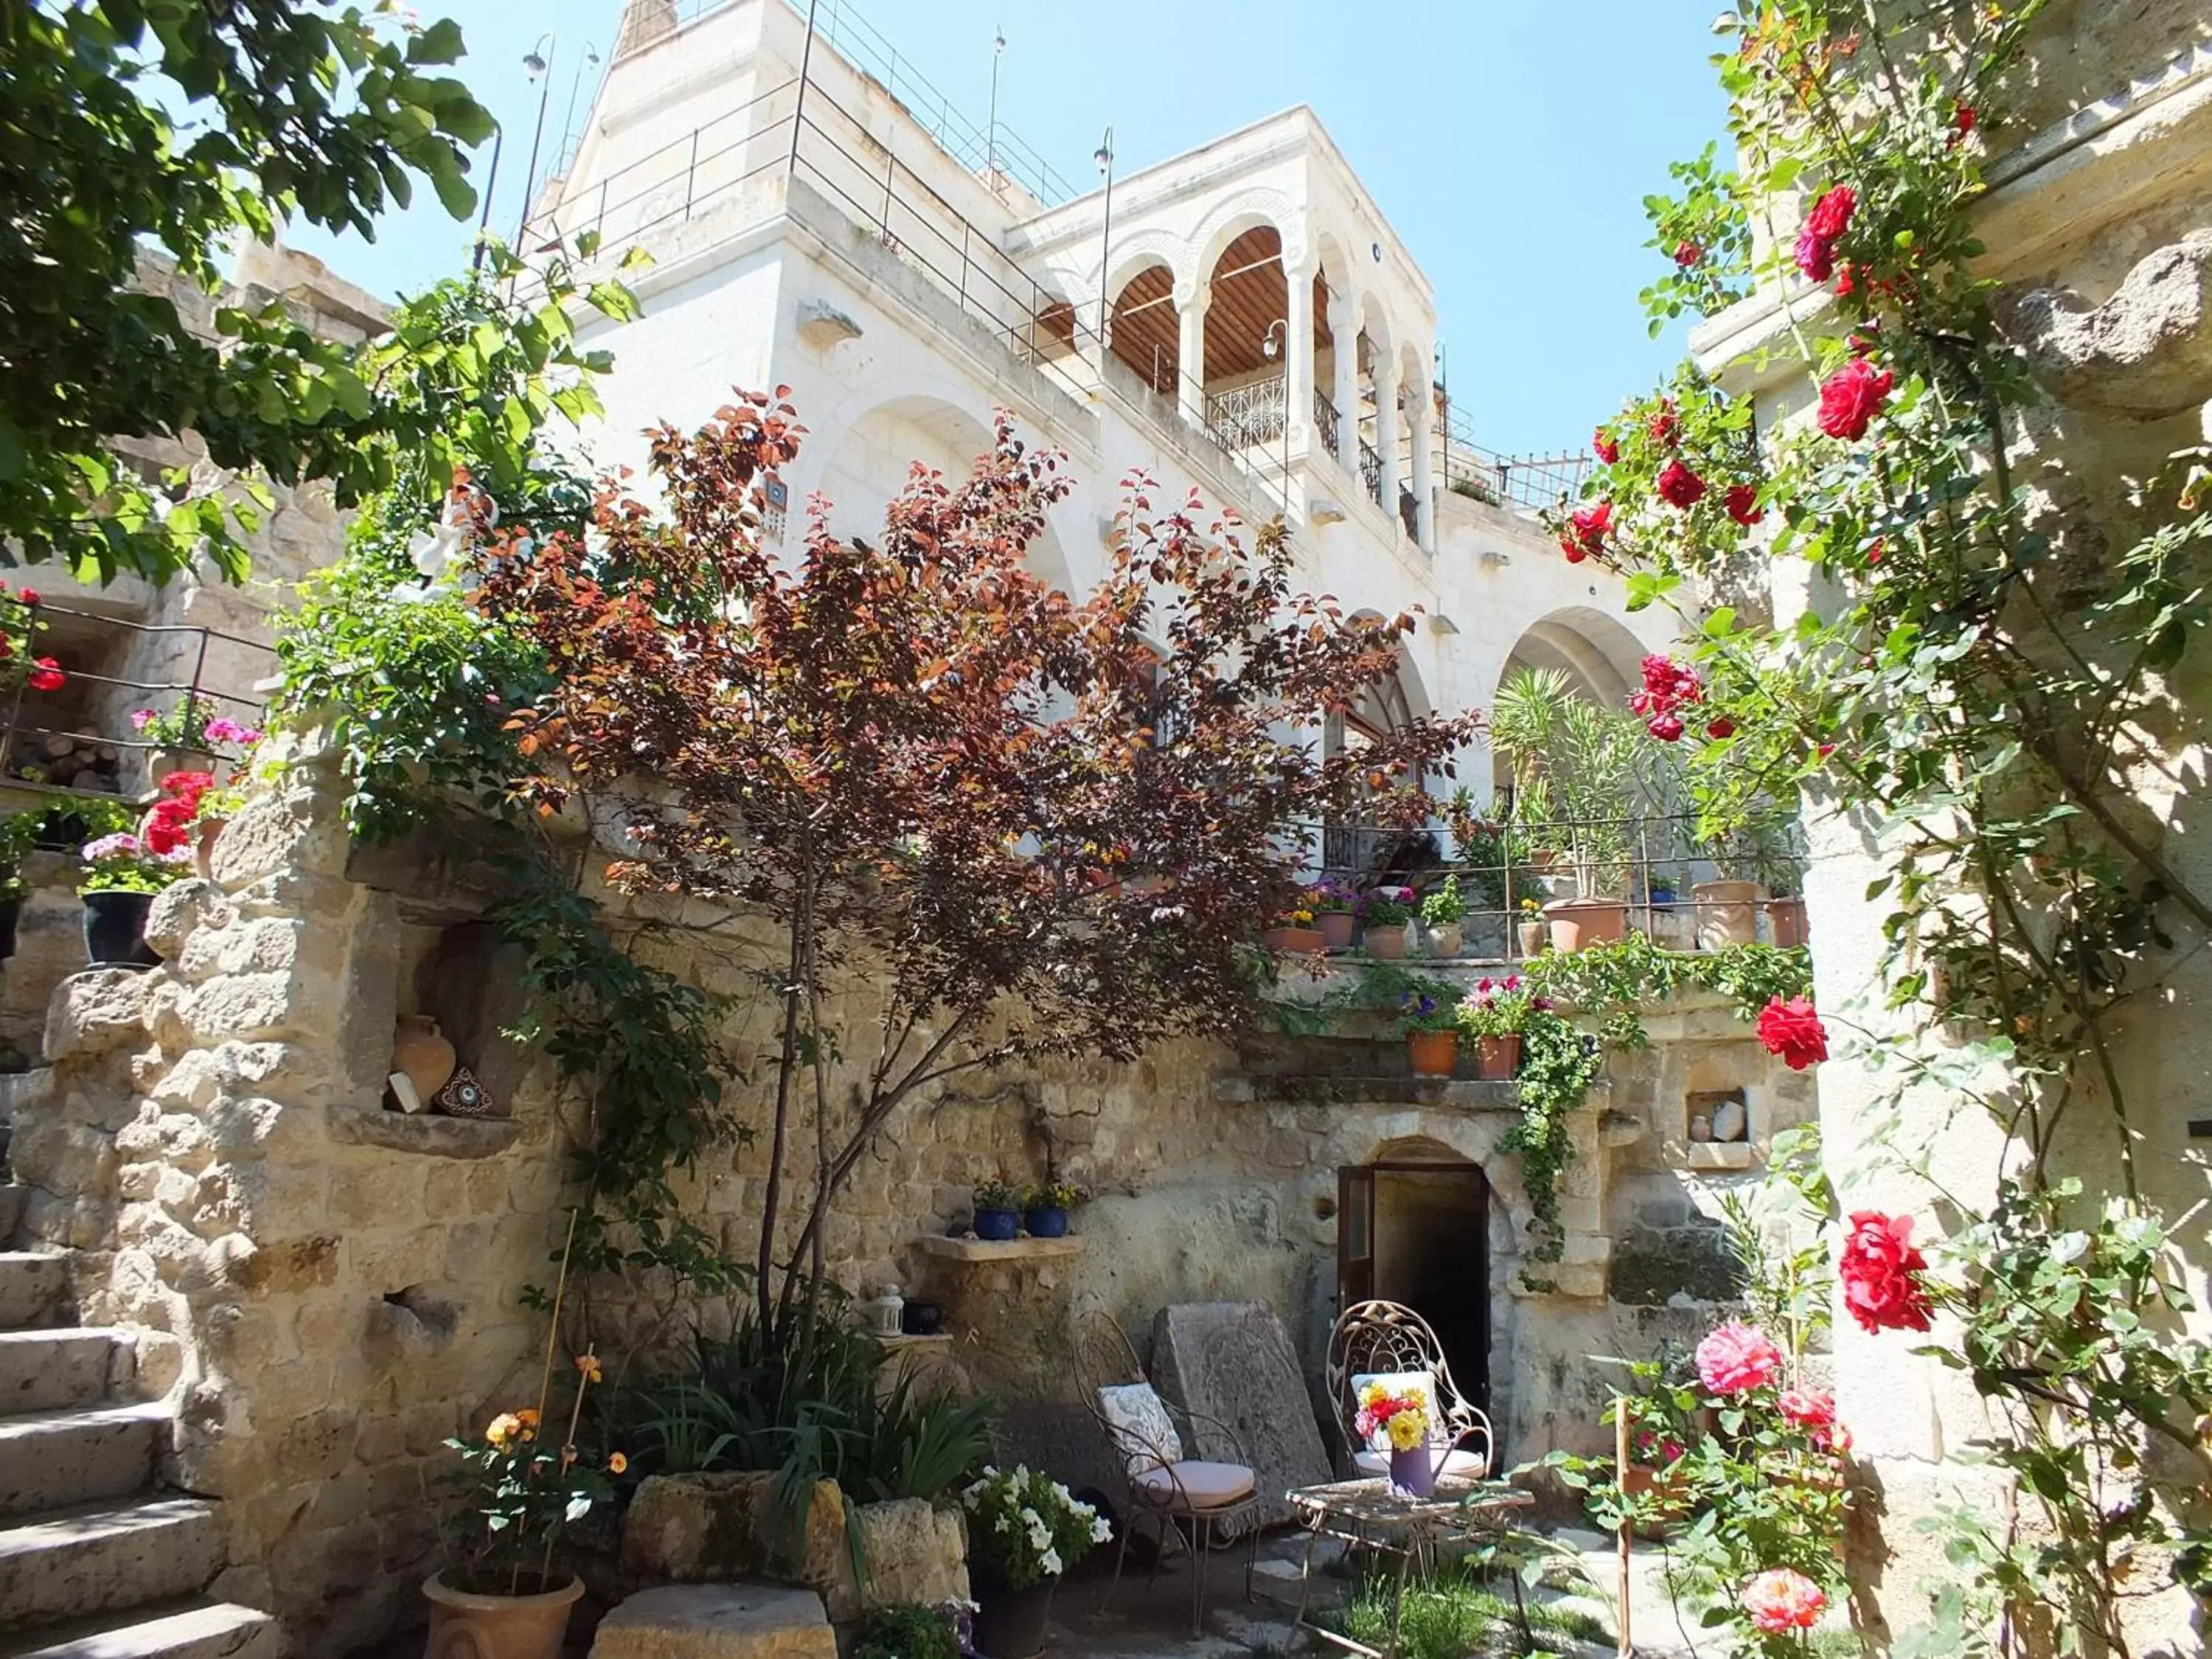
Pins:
x: 1048, y: 1224
x: 998, y: 1224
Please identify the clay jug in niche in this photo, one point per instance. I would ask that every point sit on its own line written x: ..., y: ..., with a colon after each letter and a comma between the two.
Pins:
x: 420, y: 1049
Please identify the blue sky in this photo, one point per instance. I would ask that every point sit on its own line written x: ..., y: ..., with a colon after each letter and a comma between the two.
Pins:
x: 1510, y: 142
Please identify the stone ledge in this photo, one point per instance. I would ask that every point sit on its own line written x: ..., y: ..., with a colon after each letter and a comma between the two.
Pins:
x: 1464, y: 1093
x: 1711, y: 1154
x: 998, y: 1249
x: 427, y: 1133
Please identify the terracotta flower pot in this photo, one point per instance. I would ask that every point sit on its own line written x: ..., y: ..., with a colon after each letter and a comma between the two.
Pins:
x: 1432, y: 1054
x: 1299, y: 941
x: 420, y: 1049
x: 1336, y: 928
x: 1532, y: 938
x: 1727, y: 913
x: 466, y: 1626
x: 1497, y: 1058
x: 1595, y: 920
x: 1446, y: 941
x: 1787, y: 918
x: 1385, y: 944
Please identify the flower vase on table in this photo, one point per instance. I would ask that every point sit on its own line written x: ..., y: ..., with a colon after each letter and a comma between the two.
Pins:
x: 1414, y: 1470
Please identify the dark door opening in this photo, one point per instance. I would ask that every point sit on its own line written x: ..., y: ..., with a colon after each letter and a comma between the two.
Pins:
x: 1420, y: 1234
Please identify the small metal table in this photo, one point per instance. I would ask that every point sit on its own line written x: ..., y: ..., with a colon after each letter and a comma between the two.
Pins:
x: 1369, y: 1514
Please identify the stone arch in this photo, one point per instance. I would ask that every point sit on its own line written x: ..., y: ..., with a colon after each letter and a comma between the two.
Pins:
x: 1145, y: 335
x: 877, y: 439
x: 1419, y: 1149
x: 1600, y: 657
x: 1247, y: 209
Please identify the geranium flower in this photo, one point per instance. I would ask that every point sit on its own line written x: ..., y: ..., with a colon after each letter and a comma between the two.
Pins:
x: 1679, y: 486
x: 48, y: 676
x: 1852, y: 397
x: 1781, y: 1600
x: 1880, y: 1273
x: 1792, y: 1031
x: 1606, y: 449
x: 140, y: 719
x: 223, y: 729
x: 1735, y: 1357
x: 121, y: 844
x: 1743, y: 504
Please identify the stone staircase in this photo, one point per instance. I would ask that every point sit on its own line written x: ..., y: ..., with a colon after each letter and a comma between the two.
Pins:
x: 96, y: 1562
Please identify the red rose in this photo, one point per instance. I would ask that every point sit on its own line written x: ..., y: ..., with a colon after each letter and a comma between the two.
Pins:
x: 1831, y: 215
x: 30, y: 596
x: 1847, y: 278
x: 1743, y: 504
x: 48, y: 676
x: 1608, y: 451
x: 1720, y: 728
x: 1792, y: 1030
x: 1880, y: 1273
x: 1688, y: 253
x: 1575, y: 551
x: 1816, y: 257
x: 1679, y: 486
x: 1854, y: 394
x: 1665, y: 424
x: 1667, y: 728
x: 1964, y: 120
x: 1591, y: 527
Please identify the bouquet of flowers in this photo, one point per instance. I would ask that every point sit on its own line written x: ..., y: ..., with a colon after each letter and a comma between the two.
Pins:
x: 1499, y: 1008
x: 1023, y: 1527
x: 1393, y: 1421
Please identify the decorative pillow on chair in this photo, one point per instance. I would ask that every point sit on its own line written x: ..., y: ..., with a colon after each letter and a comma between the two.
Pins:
x: 1143, y: 1432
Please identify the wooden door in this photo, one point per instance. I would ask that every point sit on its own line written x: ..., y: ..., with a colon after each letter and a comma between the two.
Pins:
x: 1355, y: 1235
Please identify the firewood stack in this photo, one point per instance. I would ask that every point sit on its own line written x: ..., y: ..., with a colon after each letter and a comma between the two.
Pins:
x: 74, y: 760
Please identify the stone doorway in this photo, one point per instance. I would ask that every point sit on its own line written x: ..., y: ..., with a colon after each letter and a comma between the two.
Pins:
x: 1416, y: 1230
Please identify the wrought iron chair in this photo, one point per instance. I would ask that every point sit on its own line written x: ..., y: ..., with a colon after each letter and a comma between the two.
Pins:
x: 1390, y: 1340
x: 1186, y: 1497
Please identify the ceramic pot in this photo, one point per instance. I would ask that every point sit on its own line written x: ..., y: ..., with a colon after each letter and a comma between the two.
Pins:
x: 1432, y: 1054
x: 1727, y: 913
x: 1786, y: 916
x: 1295, y: 941
x: 1050, y: 1223
x: 1446, y: 941
x: 921, y: 1318
x: 1010, y: 1623
x: 1701, y: 1128
x: 1597, y: 920
x: 1336, y: 928
x: 1566, y: 934
x: 1532, y: 938
x: 465, y: 1626
x: 998, y: 1225
x: 420, y: 1049
x: 1385, y: 944
x: 205, y: 834
x: 1497, y: 1058
x: 1413, y: 1472
x: 115, y: 930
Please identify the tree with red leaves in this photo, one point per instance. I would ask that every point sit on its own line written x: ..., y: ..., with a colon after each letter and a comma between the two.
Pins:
x: 1027, y: 824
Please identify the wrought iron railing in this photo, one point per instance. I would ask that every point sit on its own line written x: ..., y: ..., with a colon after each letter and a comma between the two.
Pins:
x: 1523, y: 481
x: 1370, y: 471
x: 1325, y: 421
x: 1250, y: 414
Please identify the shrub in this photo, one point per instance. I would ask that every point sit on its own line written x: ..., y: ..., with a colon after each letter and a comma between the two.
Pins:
x: 908, y: 1632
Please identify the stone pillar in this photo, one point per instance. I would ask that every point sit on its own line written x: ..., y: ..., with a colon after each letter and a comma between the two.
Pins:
x: 1298, y: 359
x: 1386, y: 429
x: 1424, y: 437
x: 1190, y: 386
x: 1344, y: 330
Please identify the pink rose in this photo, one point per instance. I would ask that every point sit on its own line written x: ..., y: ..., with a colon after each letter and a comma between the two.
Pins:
x: 1781, y: 1600
x: 1737, y: 1358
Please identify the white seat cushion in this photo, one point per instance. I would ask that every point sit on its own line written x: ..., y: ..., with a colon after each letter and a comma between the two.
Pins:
x: 1200, y: 1484
x: 1463, y: 1465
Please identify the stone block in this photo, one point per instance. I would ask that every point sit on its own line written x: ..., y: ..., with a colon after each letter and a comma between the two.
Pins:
x: 717, y: 1621
x: 692, y: 1527
x: 182, y: 909
x: 1232, y: 1363
x: 96, y: 1011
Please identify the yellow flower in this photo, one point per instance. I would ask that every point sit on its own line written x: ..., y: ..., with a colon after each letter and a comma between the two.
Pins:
x: 503, y: 1429
x: 527, y: 1420
x: 617, y: 1464
x: 1407, y: 1431
x: 1373, y: 1394
x: 588, y: 1364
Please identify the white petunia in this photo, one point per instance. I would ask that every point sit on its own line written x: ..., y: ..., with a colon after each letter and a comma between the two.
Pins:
x: 1100, y: 1531
x: 1052, y: 1563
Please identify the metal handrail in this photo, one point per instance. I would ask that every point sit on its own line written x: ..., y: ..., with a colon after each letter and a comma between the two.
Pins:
x: 1325, y: 419
x: 1370, y: 470
x: 1253, y: 413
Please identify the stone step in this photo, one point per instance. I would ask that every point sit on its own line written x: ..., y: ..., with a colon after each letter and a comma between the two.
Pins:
x: 12, y: 1195
x: 200, y: 1630
x: 31, y: 1285
x: 48, y: 1459
x: 62, y: 1365
x: 95, y: 1558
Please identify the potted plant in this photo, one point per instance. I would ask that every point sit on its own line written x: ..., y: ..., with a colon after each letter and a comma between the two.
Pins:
x: 1495, y: 1014
x: 1430, y: 1021
x: 1585, y: 766
x: 500, y: 1594
x: 18, y: 834
x: 1395, y: 1416
x: 1024, y: 1531
x: 998, y: 1209
x: 1532, y: 927
x: 178, y: 741
x: 1785, y: 909
x: 122, y: 875
x: 1045, y: 1207
x: 1331, y: 902
x: 1383, y: 915
x: 1443, y: 910
x: 1293, y: 931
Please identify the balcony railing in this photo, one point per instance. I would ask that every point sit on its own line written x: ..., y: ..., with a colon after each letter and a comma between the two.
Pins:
x: 1370, y: 470
x: 1325, y: 421
x: 1245, y: 415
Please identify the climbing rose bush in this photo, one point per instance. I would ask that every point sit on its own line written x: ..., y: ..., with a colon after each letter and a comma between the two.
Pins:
x: 1881, y: 1273
x: 1737, y: 1358
x: 1792, y: 1031
x: 1852, y: 397
x: 1679, y: 486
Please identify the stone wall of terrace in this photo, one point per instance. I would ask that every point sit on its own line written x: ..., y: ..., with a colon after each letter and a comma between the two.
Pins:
x: 326, y: 1289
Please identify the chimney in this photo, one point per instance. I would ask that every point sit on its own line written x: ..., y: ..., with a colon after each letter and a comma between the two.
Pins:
x: 644, y: 21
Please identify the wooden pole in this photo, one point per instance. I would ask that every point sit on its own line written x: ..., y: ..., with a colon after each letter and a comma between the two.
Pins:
x: 1620, y: 1474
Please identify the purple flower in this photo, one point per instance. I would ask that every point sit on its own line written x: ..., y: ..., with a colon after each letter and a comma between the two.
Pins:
x: 121, y: 844
x: 140, y: 719
x: 223, y: 729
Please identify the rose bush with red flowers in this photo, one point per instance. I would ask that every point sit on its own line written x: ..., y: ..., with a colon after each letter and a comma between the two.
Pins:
x: 1591, y: 525
x: 1852, y: 397
x: 1793, y: 1031
x: 1743, y: 504
x: 1668, y: 686
x: 1679, y: 486
x: 1880, y: 1273
x: 1604, y: 447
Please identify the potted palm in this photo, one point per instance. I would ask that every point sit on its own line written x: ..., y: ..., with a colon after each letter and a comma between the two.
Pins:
x: 1727, y: 908
x: 1585, y: 766
x: 1430, y: 1021
x: 1495, y: 1014
x: 1443, y: 910
x: 1024, y: 1531
x: 122, y: 874
x: 1383, y: 915
x: 501, y: 1594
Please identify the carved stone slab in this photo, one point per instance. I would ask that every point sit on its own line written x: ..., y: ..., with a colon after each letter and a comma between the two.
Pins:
x: 1232, y: 1362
